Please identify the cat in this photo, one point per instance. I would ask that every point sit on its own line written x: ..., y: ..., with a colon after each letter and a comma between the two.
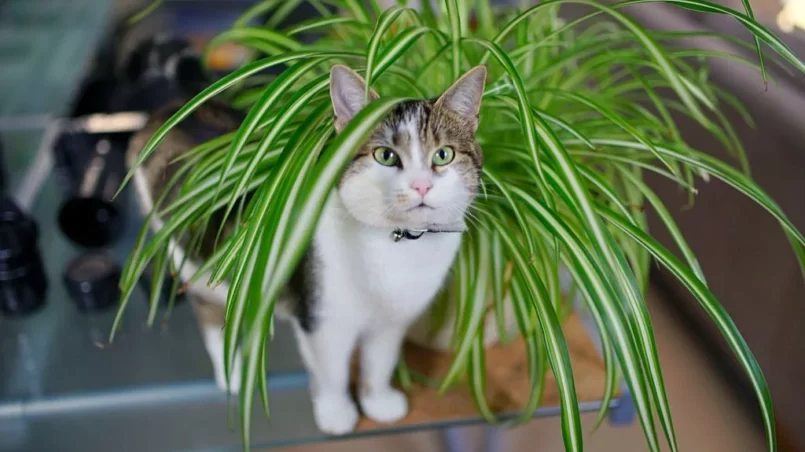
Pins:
x: 359, y: 285
x: 151, y: 179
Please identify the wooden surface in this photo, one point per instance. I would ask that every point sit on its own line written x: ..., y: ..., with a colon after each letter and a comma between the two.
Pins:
x: 507, y: 380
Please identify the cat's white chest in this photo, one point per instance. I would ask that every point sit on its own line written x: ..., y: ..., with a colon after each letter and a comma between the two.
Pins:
x: 364, y: 271
x: 406, y: 275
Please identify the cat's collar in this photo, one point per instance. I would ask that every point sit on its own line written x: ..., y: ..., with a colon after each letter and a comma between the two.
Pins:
x: 413, y: 234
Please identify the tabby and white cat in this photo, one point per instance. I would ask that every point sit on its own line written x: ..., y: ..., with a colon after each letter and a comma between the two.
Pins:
x: 356, y: 287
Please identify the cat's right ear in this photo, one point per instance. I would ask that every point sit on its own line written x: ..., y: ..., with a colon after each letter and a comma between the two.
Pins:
x: 348, y: 93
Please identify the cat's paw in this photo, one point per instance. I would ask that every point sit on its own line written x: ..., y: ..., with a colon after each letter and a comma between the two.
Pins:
x: 385, y: 406
x: 335, y: 415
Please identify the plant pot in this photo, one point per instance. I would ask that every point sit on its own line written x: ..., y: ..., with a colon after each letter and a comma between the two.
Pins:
x: 434, y: 328
x: 435, y: 331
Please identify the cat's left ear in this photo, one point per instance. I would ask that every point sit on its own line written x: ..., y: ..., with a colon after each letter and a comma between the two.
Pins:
x: 348, y: 93
x: 464, y: 97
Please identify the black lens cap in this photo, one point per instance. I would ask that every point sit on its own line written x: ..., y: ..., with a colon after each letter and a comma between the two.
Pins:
x: 90, y: 222
x: 92, y: 282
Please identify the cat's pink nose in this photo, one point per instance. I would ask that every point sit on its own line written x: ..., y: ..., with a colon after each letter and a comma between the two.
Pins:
x: 422, y: 186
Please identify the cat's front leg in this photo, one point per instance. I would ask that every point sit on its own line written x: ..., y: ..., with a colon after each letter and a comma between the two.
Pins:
x: 214, y: 343
x: 328, y: 349
x: 210, y: 316
x: 380, y: 351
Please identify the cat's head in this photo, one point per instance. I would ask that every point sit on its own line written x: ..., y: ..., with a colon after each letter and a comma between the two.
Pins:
x: 422, y: 166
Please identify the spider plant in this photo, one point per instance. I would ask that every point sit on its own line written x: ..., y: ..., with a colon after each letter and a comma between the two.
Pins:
x: 575, y: 114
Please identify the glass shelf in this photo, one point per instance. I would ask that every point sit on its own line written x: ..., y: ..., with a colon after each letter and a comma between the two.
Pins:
x: 152, y: 389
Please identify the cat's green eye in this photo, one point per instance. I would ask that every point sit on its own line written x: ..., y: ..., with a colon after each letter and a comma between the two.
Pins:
x: 386, y: 156
x: 443, y: 156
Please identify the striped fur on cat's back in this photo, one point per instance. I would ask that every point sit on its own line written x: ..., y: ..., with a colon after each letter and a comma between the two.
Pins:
x: 151, y: 179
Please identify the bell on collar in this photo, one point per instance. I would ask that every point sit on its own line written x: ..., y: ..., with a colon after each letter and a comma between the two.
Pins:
x: 399, y: 234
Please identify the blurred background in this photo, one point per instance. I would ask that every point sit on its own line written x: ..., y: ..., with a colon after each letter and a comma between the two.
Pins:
x: 67, y: 59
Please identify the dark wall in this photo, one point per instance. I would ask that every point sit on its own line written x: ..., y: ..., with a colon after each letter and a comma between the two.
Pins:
x: 746, y: 258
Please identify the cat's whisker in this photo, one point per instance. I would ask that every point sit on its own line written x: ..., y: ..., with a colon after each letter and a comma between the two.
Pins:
x: 473, y: 220
x: 460, y: 209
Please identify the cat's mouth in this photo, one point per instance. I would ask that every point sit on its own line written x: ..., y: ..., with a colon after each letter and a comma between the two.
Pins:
x: 420, y: 207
